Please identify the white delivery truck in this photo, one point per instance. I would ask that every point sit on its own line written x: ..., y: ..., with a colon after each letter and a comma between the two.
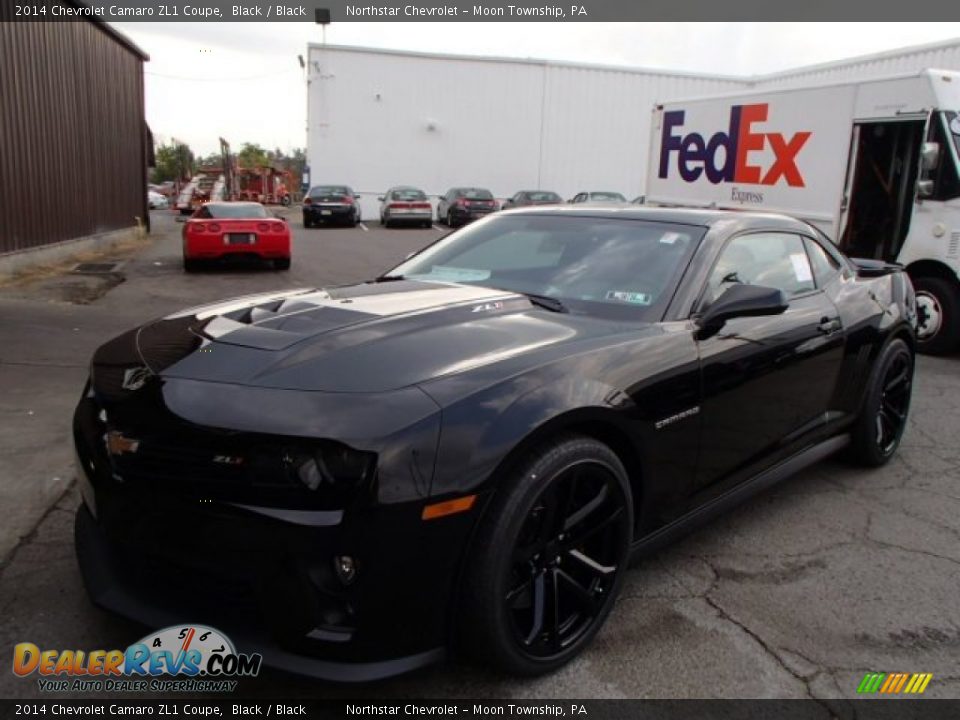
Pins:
x: 874, y: 164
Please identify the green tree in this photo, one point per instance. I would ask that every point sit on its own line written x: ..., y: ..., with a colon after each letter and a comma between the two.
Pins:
x: 252, y: 155
x: 173, y: 161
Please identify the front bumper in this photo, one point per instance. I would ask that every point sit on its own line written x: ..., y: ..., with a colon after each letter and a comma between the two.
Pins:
x: 110, y: 586
x: 162, y: 550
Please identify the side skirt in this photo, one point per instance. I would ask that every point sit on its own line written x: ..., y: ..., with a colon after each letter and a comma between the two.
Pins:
x: 694, y: 519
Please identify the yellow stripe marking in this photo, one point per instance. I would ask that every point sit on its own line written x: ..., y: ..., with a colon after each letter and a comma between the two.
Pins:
x: 912, y: 684
x: 926, y: 681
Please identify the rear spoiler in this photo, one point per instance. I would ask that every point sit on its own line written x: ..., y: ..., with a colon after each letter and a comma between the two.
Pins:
x: 867, y: 267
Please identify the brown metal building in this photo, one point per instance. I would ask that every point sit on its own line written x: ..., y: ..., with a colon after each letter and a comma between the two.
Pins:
x: 74, y: 144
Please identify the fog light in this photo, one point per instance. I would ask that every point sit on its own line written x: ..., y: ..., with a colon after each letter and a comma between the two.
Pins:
x: 346, y: 568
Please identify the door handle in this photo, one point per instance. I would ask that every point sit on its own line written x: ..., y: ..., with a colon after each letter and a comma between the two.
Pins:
x: 828, y: 326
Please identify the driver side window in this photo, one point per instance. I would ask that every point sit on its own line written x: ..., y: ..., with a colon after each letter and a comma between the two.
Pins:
x: 776, y: 260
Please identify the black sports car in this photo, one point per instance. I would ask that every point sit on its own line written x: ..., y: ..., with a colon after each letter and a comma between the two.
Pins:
x: 464, y: 452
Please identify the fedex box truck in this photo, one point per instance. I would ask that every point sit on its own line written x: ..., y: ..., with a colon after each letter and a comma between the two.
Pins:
x: 874, y: 164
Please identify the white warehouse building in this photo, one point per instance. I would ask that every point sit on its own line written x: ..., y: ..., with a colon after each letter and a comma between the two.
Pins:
x: 379, y: 118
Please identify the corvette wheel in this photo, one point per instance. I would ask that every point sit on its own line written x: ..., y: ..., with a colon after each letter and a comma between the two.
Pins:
x: 877, y: 432
x: 549, y: 558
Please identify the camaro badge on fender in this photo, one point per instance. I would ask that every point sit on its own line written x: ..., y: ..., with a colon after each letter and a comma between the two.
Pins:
x: 677, y: 418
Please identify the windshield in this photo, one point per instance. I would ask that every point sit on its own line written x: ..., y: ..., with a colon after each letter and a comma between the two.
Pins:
x: 544, y: 197
x: 408, y: 194
x: 610, y: 267
x: 329, y: 191
x: 953, y: 121
x: 232, y: 210
x: 475, y: 194
x: 617, y: 197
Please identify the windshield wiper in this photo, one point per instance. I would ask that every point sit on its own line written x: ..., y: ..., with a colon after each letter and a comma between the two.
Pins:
x: 547, y: 302
x: 388, y: 278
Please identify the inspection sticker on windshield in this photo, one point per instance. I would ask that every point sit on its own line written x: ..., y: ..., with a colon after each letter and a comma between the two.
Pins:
x: 669, y: 238
x: 634, y: 298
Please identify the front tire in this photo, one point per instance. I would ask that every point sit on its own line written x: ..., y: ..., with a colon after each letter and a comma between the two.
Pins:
x: 191, y: 266
x: 877, y: 432
x: 549, y: 557
x: 938, y: 307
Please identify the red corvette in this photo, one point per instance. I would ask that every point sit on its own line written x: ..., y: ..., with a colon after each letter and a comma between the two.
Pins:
x: 228, y: 230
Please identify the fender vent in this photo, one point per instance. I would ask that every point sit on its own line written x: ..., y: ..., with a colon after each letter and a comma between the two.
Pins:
x: 954, y: 247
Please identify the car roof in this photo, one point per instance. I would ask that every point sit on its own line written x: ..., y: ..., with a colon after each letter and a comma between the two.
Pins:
x: 705, y: 217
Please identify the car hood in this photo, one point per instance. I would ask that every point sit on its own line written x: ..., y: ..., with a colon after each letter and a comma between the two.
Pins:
x: 373, y: 337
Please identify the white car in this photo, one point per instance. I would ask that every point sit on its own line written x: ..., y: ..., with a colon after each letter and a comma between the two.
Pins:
x: 156, y: 201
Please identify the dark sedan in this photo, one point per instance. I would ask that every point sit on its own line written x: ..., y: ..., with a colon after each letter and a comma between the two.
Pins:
x: 466, y: 451
x: 528, y: 198
x: 326, y: 204
x: 462, y: 205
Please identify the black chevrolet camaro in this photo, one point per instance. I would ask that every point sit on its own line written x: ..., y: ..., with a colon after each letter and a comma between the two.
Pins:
x: 464, y: 453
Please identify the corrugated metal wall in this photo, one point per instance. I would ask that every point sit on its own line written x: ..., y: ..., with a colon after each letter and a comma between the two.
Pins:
x: 72, y: 133
x: 382, y: 118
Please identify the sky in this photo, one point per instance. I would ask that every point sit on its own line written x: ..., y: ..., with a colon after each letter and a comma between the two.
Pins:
x: 243, y: 82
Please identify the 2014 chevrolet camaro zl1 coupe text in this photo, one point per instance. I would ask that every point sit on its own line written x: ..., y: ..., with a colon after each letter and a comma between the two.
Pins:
x: 465, y: 452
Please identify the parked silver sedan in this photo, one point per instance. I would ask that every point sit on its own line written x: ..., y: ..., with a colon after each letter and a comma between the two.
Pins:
x: 405, y: 204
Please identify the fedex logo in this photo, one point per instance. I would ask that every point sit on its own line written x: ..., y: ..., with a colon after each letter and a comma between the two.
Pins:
x: 696, y: 156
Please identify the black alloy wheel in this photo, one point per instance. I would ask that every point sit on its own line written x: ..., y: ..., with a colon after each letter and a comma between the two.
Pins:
x: 550, y: 558
x: 876, y: 434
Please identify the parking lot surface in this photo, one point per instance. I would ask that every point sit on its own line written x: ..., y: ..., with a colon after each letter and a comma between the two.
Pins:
x: 798, y: 593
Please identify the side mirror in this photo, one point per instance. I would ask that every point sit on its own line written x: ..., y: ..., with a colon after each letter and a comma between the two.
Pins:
x: 743, y: 301
x: 381, y: 198
x: 929, y: 155
x: 924, y: 188
x: 356, y: 197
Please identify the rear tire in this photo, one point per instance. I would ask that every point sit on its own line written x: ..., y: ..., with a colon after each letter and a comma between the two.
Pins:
x: 549, y: 557
x: 450, y: 220
x: 282, y: 264
x: 307, y: 223
x: 877, y: 431
x: 938, y: 307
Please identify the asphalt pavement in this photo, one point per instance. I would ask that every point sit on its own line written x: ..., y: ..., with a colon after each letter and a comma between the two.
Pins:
x: 798, y: 593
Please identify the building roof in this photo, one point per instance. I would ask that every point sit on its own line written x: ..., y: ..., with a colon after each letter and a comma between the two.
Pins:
x: 105, y: 27
x: 746, y: 79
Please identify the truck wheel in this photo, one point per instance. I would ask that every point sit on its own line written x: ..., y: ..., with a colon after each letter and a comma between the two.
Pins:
x: 549, y: 557
x: 938, y: 311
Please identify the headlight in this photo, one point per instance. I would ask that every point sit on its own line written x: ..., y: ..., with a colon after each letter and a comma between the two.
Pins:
x: 333, y: 466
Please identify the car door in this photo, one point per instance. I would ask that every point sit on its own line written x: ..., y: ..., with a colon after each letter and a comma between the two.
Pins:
x: 767, y: 381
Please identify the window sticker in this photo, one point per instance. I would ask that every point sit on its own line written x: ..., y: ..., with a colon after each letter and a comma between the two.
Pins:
x: 801, y: 268
x: 455, y: 274
x: 669, y: 238
x: 634, y: 298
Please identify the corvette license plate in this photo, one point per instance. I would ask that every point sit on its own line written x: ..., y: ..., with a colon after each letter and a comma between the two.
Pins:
x: 240, y: 239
